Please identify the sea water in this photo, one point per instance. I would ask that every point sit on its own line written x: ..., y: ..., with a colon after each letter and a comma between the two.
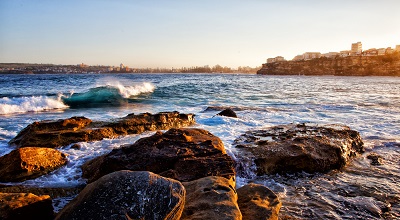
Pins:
x: 370, y: 105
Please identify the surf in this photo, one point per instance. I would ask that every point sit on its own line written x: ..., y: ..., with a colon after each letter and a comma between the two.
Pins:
x: 12, y: 105
x: 112, y: 94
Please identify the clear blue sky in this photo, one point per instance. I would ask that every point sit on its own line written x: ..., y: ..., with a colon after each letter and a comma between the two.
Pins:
x: 177, y: 33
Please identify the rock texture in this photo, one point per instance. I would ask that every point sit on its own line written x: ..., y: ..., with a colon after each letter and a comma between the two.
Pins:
x: 54, y: 134
x: 16, y: 206
x: 295, y: 148
x: 184, y: 154
x: 211, y: 198
x: 257, y: 202
x: 29, y: 163
x: 128, y: 195
x: 387, y: 65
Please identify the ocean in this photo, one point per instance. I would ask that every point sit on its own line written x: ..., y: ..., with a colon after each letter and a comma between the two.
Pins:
x: 370, y: 105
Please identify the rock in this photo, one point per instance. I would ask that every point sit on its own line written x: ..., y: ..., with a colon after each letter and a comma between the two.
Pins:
x: 25, y: 206
x: 376, y: 160
x: 295, y: 148
x: 29, y: 163
x: 54, y: 134
x: 53, y: 192
x: 257, y: 202
x: 183, y: 154
x: 228, y: 113
x: 211, y: 198
x: 128, y: 195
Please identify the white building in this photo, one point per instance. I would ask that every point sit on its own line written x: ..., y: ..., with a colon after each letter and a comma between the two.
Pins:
x: 311, y: 55
x: 331, y: 54
x: 356, y: 48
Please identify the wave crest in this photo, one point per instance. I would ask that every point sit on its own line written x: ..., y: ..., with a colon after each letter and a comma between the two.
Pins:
x: 112, y: 94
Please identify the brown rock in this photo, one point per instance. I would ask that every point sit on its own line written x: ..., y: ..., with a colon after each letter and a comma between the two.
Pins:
x: 257, y: 202
x: 15, y: 206
x: 181, y: 154
x: 376, y: 159
x: 29, y: 163
x: 228, y: 113
x: 211, y: 198
x: 295, y: 148
x: 128, y: 195
x: 63, y: 132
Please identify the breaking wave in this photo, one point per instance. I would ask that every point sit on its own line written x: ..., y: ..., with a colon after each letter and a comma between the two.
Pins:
x: 113, y: 94
x: 29, y: 104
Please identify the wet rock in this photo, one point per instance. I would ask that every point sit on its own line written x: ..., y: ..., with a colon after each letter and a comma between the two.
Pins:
x: 376, y: 160
x: 63, y: 132
x: 53, y: 192
x: 25, y: 206
x: 228, y: 113
x: 29, y: 163
x: 128, y: 195
x: 295, y: 148
x: 211, y: 198
x: 76, y: 146
x: 257, y: 202
x: 183, y: 154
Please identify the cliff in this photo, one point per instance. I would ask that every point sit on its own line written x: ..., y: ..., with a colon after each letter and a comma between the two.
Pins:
x: 386, y: 65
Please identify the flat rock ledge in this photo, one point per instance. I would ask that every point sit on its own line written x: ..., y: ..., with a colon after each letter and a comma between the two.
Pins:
x: 55, y: 134
x: 29, y: 163
x: 128, y: 195
x: 296, y: 148
x: 184, y: 154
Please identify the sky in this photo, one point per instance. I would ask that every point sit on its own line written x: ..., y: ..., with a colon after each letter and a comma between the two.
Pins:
x: 185, y: 33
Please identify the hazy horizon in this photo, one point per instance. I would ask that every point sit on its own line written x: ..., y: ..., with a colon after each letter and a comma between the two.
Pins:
x: 178, y: 34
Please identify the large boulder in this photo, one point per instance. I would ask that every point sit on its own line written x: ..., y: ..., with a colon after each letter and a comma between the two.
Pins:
x: 183, y: 154
x: 228, y: 113
x: 257, y: 202
x: 211, y: 198
x: 295, y: 148
x: 63, y: 132
x: 128, y: 195
x: 29, y: 162
x: 16, y: 206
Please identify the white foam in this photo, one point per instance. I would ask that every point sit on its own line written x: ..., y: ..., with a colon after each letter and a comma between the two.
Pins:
x: 128, y: 91
x: 29, y: 104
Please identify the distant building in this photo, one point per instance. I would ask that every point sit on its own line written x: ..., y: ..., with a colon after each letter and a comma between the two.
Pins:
x: 389, y: 50
x: 397, y: 48
x: 381, y: 51
x: 345, y: 53
x: 370, y: 52
x: 276, y: 59
x: 330, y: 54
x: 356, y: 48
x: 311, y: 55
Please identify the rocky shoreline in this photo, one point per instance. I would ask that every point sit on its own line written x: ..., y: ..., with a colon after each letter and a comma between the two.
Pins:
x: 182, y: 173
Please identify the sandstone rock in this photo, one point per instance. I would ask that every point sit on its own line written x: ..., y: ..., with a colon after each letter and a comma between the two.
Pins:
x: 181, y: 154
x: 228, y: 113
x: 211, y: 198
x: 128, y: 195
x: 15, y: 206
x: 63, y: 132
x: 257, y: 202
x: 295, y: 148
x: 29, y: 163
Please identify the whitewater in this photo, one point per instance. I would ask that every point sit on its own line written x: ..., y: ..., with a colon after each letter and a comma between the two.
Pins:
x: 370, y: 105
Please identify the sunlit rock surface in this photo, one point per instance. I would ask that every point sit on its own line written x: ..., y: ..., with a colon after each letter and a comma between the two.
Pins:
x: 15, y: 206
x: 211, y: 198
x: 54, y: 134
x: 183, y: 154
x: 29, y: 162
x: 257, y: 202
